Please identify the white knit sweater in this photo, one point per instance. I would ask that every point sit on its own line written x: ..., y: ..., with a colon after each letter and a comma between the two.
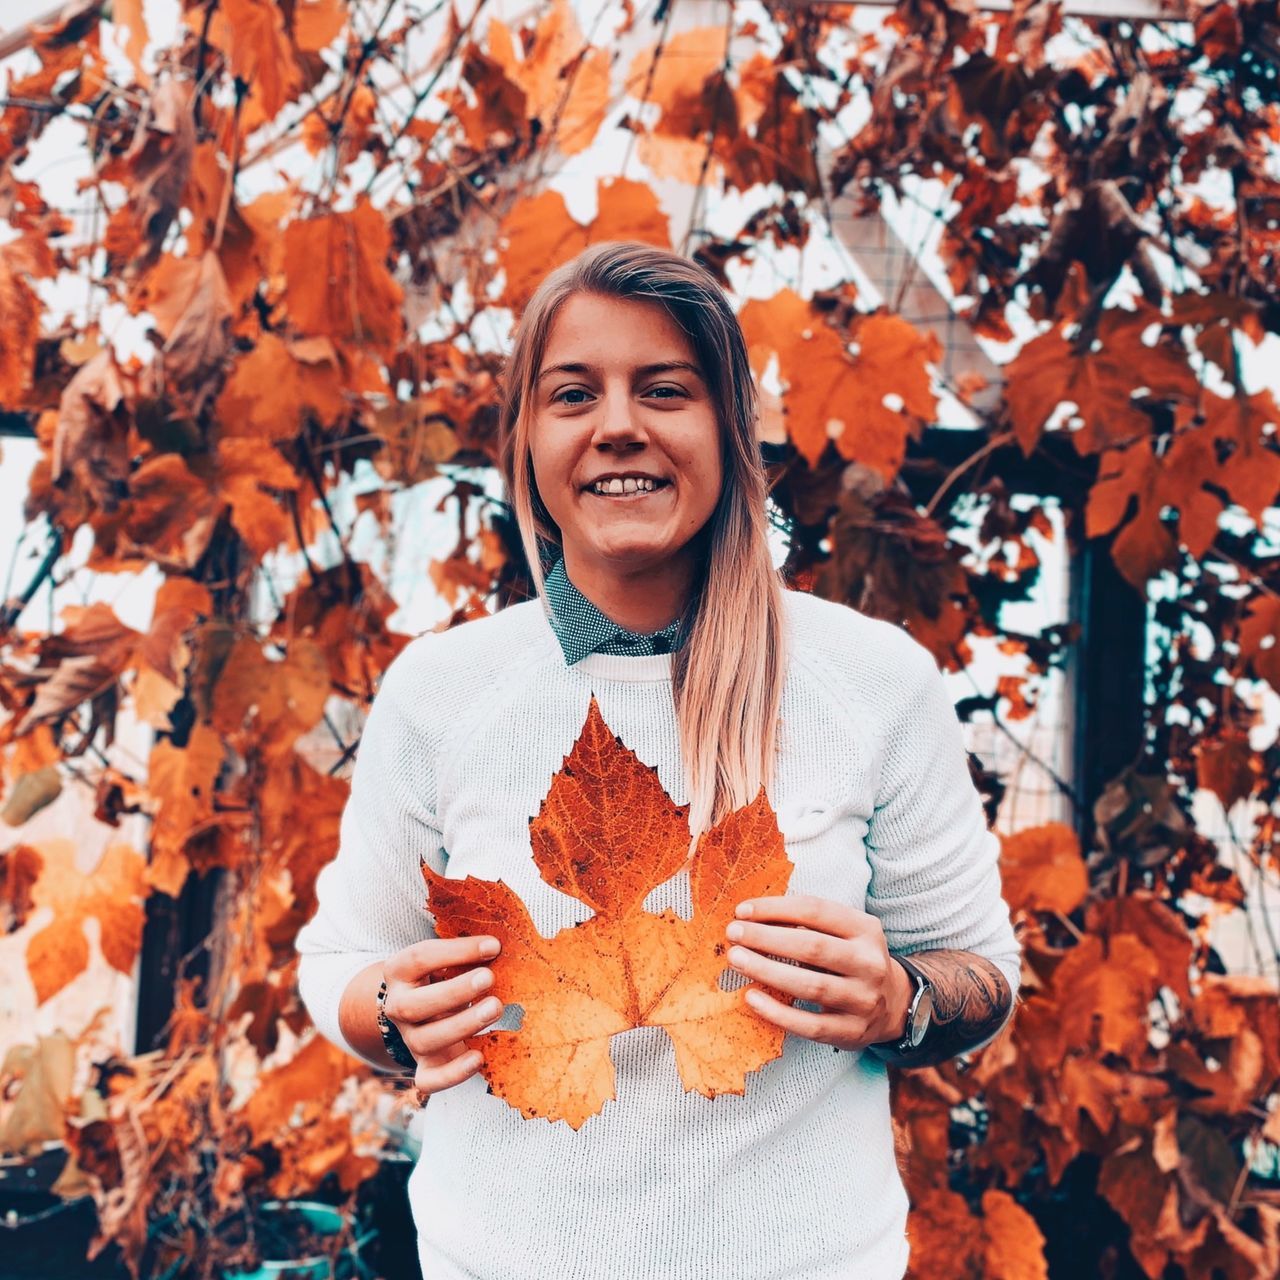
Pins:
x: 795, y: 1178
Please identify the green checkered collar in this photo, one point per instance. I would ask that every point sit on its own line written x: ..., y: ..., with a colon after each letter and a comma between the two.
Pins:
x: 582, y: 629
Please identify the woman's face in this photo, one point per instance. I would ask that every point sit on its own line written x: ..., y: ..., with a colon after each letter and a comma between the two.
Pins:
x: 619, y: 394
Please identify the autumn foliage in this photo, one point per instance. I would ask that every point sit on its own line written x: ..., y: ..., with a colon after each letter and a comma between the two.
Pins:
x: 322, y: 216
x: 608, y: 834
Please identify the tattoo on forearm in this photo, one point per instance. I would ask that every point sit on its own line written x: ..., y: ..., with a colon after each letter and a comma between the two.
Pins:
x: 971, y: 1000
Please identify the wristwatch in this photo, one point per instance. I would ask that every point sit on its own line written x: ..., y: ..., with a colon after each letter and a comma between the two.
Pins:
x: 919, y: 1013
x: 391, y: 1037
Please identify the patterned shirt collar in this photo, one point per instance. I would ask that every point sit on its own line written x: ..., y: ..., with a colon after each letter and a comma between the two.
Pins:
x: 582, y: 629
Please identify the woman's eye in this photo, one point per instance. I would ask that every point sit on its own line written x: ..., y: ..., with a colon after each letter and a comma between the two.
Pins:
x: 672, y: 391
x: 559, y: 397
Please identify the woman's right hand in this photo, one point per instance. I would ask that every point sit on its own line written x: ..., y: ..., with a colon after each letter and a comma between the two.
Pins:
x: 435, y: 1016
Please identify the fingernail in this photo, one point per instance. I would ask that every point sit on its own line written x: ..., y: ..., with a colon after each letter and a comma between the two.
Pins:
x: 489, y: 947
x: 744, y: 908
x: 754, y: 998
x: 481, y: 979
x: 734, y: 932
x: 737, y: 955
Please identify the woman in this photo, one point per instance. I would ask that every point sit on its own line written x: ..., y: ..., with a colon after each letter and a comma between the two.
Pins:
x: 631, y: 457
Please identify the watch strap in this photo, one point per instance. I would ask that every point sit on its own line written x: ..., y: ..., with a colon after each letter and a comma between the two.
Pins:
x: 904, y: 1045
x: 391, y: 1037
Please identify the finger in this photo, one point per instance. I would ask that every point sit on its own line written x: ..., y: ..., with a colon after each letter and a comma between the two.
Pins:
x: 432, y: 1037
x: 828, y: 990
x: 413, y: 964
x: 807, y: 946
x: 842, y: 1030
x: 433, y: 1078
x: 813, y: 913
x: 423, y: 1003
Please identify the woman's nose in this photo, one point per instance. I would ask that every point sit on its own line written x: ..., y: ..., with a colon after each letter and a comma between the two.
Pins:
x: 617, y: 422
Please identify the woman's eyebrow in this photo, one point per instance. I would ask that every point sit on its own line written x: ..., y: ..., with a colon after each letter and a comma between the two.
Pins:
x: 665, y: 366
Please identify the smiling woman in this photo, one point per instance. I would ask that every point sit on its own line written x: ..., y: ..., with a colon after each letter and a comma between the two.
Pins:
x: 621, y: 407
x: 671, y: 684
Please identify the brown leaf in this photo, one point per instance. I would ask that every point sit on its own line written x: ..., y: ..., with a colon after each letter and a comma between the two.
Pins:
x: 270, y: 702
x: 155, y: 168
x: 91, y: 436
x: 45, y: 1073
x: 30, y: 793
x: 192, y: 308
x: 1225, y: 766
x: 1048, y: 371
x: 19, y: 870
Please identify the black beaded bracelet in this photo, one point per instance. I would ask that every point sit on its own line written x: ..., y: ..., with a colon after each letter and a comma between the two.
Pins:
x: 391, y: 1036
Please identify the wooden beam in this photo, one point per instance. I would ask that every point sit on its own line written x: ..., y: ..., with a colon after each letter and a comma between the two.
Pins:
x: 1130, y: 10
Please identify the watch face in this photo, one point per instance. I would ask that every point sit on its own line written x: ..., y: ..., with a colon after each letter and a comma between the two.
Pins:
x: 921, y: 1018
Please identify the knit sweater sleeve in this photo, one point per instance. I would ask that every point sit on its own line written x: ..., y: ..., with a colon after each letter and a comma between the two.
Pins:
x: 371, y: 897
x: 935, y: 876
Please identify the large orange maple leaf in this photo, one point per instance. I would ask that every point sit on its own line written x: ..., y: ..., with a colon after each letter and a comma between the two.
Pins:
x: 607, y: 834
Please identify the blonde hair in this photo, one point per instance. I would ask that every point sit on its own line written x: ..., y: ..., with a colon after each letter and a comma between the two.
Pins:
x: 727, y: 677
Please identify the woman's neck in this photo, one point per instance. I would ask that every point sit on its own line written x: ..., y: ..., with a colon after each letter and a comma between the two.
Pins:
x: 643, y: 599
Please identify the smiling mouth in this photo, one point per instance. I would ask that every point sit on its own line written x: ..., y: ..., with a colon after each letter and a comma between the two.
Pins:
x: 628, y: 495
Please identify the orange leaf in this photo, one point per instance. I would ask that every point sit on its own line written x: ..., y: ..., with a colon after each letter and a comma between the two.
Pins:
x: 192, y: 309
x: 112, y: 893
x: 1014, y: 1245
x: 316, y: 23
x: 251, y: 33
x: 275, y: 387
x: 181, y: 781
x: 1115, y: 989
x: 1041, y: 869
x: 271, y: 702
x: 336, y: 280
x: 20, y: 310
x: 538, y: 234
x: 244, y: 468
x: 607, y: 834
x: 831, y: 395
x: 129, y: 13
x: 565, y: 81
x: 1260, y: 638
x: 1101, y: 383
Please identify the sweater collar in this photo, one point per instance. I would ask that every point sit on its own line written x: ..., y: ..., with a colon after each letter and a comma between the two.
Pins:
x: 582, y: 629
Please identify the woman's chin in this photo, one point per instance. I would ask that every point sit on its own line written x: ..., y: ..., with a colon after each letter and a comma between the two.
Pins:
x: 624, y: 551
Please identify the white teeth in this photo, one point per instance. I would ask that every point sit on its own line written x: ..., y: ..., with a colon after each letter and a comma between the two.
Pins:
x: 628, y: 485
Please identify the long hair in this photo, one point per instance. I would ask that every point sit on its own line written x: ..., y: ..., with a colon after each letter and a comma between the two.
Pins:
x: 727, y: 677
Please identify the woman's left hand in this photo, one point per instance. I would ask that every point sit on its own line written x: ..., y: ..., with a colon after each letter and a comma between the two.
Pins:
x: 843, y: 965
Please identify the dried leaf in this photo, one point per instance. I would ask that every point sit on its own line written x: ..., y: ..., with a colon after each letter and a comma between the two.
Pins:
x: 829, y: 394
x: 1041, y: 869
x: 112, y: 893
x: 607, y: 834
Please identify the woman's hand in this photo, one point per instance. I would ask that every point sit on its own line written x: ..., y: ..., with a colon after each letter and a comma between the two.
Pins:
x: 436, y: 1016
x: 842, y: 964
